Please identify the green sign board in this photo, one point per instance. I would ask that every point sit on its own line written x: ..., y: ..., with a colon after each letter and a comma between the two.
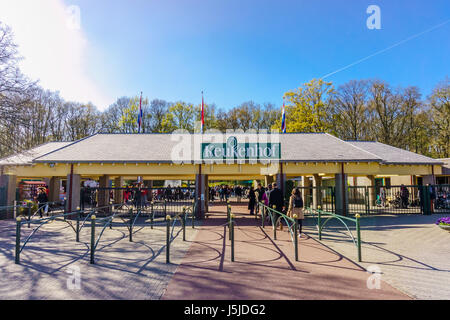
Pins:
x: 234, y: 150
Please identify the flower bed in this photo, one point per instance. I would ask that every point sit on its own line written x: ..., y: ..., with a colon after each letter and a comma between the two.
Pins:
x: 443, y: 221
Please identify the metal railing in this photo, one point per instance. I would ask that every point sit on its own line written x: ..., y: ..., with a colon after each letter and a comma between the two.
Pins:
x: 138, y: 197
x: 46, y: 208
x: 324, y: 217
x: 21, y: 219
x: 5, y: 211
x: 169, y: 221
x: 40, y: 223
x: 403, y: 199
x: 276, y: 219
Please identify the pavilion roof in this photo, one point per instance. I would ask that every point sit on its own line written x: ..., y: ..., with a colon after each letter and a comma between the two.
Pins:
x: 159, y: 148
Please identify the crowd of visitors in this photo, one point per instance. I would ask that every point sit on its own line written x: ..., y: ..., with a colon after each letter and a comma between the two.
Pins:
x: 271, y: 196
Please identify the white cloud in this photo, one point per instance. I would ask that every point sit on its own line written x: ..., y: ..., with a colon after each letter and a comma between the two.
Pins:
x: 53, y: 47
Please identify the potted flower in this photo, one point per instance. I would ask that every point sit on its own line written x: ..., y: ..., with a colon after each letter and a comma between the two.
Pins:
x: 444, y: 223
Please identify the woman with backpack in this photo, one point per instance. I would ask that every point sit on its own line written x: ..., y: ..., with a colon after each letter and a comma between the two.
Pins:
x: 296, y: 208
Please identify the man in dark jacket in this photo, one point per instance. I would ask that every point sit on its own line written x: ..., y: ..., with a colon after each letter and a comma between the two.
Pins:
x: 276, y: 198
x: 42, y: 200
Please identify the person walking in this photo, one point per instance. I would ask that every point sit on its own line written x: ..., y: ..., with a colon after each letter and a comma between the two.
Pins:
x: 42, y: 200
x: 251, y: 200
x: 137, y: 197
x: 222, y: 193
x: 261, y: 191
x: 404, y: 195
x: 238, y: 193
x: 227, y: 193
x: 276, y: 200
x: 432, y: 197
x: 383, y: 197
x: 144, y: 193
x: 296, y: 208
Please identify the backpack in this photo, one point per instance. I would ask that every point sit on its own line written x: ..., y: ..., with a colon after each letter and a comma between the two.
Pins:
x: 298, y: 202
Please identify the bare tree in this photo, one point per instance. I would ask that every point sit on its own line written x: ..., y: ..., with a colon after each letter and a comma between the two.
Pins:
x: 350, y: 110
x: 15, y: 92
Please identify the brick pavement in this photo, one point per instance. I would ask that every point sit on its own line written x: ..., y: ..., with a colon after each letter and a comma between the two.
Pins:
x: 265, y: 268
x: 123, y: 269
x: 410, y: 250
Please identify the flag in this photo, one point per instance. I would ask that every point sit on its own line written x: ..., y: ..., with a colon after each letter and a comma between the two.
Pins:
x: 140, y: 114
x: 203, y: 115
x: 283, y: 119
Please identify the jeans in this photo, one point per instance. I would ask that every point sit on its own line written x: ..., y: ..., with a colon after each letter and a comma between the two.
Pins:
x: 300, y: 225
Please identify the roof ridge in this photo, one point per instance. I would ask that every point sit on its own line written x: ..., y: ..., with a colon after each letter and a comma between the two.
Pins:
x: 28, y: 150
x: 67, y: 145
x: 365, y: 151
x: 403, y: 150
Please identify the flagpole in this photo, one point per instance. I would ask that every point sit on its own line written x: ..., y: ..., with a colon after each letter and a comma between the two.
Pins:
x: 283, y: 118
x: 140, y: 114
x: 139, y: 178
x: 203, y: 118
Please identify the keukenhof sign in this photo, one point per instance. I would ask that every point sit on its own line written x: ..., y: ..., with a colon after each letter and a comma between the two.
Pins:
x: 234, y: 150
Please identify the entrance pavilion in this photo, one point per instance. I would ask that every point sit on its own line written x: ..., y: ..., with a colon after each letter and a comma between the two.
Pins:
x: 210, y: 157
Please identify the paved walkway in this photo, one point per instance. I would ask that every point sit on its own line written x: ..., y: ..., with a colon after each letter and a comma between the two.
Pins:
x: 265, y: 268
x: 412, y: 253
x: 123, y: 269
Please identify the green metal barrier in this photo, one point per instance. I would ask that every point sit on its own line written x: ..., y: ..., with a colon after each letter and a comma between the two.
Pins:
x: 291, y: 223
x: 131, y: 223
x: 191, y: 210
x: 231, y: 231
x: 40, y: 223
x: 152, y: 215
x: 168, y: 239
x: 43, y: 205
x: 90, y: 215
x: 169, y: 231
x: 329, y: 216
x: 107, y: 222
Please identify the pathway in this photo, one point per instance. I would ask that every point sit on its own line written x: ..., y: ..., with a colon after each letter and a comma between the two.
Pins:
x: 265, y: 268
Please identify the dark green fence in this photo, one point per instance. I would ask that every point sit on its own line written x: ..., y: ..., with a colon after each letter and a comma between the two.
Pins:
x: 3, y: 212
x: 403, y: 199
x: 323, y: 196
x: 373, y: 200
x: 2, y: 196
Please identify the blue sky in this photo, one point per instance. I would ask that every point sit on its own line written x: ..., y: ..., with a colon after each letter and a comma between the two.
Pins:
x: 249, y: 50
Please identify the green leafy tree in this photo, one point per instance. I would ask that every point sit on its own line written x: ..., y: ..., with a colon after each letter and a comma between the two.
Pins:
x: 128, y: 122
x: 179, y: 116
x: 309, y: 107
x: 210, y: 118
